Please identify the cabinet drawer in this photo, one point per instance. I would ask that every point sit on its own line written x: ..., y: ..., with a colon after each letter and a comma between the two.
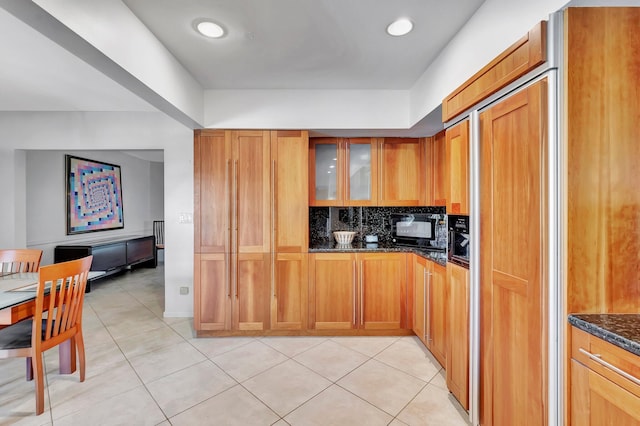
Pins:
x: 614, y: 363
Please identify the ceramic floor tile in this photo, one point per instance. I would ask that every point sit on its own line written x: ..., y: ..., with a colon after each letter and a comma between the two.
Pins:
x: 182, y: 326
x: 331, y: 360
x: 286, y: 386
x: 68, y: 395
x: 186, y: 388
x: 292, y: 346
x: 410, y: 356
x: 214, y: 346
x: 135, y: 407
x: 433, y: 406
x: 17, y: 396
x: 164, y: 361
x: 337, y: 407
x: 248, y: 360
x: 440, y: 380
x: 235, y: 406
x: 149, y: 342
x: 385, y: 387
x: 366, y: 345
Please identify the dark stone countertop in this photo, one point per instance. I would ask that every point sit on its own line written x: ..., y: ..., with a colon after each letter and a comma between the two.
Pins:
x: 440, y: 257
x: 622, y: 330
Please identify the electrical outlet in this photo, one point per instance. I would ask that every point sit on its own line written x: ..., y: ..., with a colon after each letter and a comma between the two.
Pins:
x: 184, y: 290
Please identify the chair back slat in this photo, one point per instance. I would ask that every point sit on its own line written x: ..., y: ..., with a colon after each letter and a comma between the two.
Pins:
x: 20, y: 260
x: 67, y: 281
x: 158, y: 232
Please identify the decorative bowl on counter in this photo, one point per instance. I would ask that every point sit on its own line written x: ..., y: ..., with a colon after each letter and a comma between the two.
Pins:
x: 343, y: 237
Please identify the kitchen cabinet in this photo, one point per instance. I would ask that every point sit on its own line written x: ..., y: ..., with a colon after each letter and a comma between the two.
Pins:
x: 343, y: 171
x: 437, y: 318
x: 513, y: 361
x: 457, y: 366
x: 402, y: 172
x: 599, y: 394
x: 290, y: 190
x: 290, y: 212
x: 457, y: 160
x: 232, y: 222
x: 420, y: 291
x: 436, y: 158
x: 364, y: 291
x: 430, y: 306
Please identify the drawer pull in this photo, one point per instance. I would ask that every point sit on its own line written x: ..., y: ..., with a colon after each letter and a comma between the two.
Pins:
x: 598, y: 358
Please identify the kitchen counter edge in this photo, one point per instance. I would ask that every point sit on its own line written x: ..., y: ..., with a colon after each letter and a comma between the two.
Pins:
x: 622, y: 330
x: 438, y: 257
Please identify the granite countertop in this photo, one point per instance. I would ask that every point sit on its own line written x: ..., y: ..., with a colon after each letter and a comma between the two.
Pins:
x: 622, y: 330
x: 437, y: 256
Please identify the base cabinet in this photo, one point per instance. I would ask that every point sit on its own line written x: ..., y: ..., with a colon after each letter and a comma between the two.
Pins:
x: 289, y: 292
x: 458, y: 333
x: 600, y: 395
x: 437, y: 296
x: 364, y: 291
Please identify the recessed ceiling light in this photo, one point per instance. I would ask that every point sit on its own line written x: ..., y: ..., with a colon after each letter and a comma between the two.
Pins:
x: 400, y: 27
x: 210, y: 29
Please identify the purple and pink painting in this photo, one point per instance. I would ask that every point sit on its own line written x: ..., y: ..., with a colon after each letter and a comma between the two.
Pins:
x: 94, y: 196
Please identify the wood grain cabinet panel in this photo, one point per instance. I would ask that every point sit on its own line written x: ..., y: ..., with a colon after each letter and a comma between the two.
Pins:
x: 436, y: 165
x: 401, y: 172
x: 437, y: 322
x: 599, y: 394
x: 457, y: 158
x: 383, y: 291
x: 332, y: 291
x: 513, y: 360
x: 419, y: 276
x: 457, y: 365
x: 289, y: 299
x: 232, y: 219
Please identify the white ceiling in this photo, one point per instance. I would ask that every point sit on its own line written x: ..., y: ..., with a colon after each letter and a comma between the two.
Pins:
x: 305, y: 44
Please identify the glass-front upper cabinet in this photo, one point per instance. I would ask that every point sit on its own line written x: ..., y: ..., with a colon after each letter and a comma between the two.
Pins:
x: 342, y: 171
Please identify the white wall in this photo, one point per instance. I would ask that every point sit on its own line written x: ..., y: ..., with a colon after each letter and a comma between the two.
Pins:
x: 46, y: 198
x: 77, y: 131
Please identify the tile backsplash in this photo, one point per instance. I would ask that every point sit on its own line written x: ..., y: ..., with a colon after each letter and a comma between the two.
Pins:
x: 364, y: 220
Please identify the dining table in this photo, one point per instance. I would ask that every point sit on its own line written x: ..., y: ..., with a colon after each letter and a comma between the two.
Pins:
x: 17, y: 303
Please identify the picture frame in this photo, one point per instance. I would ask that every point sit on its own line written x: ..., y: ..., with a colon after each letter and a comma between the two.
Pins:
x: 94, y: 196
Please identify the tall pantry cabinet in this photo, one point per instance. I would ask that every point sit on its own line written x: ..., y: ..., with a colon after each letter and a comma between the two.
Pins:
x: 232, y: 221
x: 251, y: 230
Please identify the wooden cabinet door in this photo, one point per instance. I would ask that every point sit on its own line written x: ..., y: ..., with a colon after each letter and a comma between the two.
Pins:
x: 513, y: 360
x: 212, y: 191
x: 438, y: 312
x: 402, y: 174
x: 332, y: 291
x: 457, y: 143
x: 290, y: 190
x: 251, y: 208
x: 436, y: 170
x: 326, y: 169
x: 289, y: 298
x: 420, y: 297
x: 360, y: 171
x: 212, y: 292
x: 458, y: 333
x: 595, y: 400
x: 383, y: 294
x: 251, y: 291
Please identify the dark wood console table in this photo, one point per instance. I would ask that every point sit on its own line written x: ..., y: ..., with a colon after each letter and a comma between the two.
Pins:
x: 111, y: 255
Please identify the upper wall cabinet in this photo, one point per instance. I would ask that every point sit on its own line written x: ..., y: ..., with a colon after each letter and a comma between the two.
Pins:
x: 520, y: 58
x: 343, y: 172
x: 402, y: 172
x: 457, y: 154
x: 366, y: 172
x: 435, y: 162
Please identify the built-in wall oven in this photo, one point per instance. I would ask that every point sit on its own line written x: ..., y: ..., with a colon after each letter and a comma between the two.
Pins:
x: 422, y: 230
x: 458, y: 250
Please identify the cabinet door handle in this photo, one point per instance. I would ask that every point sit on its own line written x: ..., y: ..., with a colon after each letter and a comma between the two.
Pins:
x: 428, y: 307
x: 424, y: 301
x: 274, y: 197
x: 598, y: 358
x: 230, y: 198
x: 361, y: 294
x: 237, y: 197
x: 227, y: 276
x: 354, y: 292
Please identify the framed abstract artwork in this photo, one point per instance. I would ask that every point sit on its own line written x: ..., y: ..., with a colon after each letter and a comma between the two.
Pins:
x: 94, y: 196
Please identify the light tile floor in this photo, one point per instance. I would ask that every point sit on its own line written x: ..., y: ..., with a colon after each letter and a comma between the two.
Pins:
x: 143, y: 369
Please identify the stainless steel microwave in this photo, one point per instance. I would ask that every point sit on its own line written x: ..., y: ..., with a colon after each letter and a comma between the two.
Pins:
x: 415, y: 230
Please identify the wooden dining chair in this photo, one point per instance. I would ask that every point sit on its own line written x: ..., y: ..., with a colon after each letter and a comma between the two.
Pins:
x: 20, y: 260
x: 59, y: 294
